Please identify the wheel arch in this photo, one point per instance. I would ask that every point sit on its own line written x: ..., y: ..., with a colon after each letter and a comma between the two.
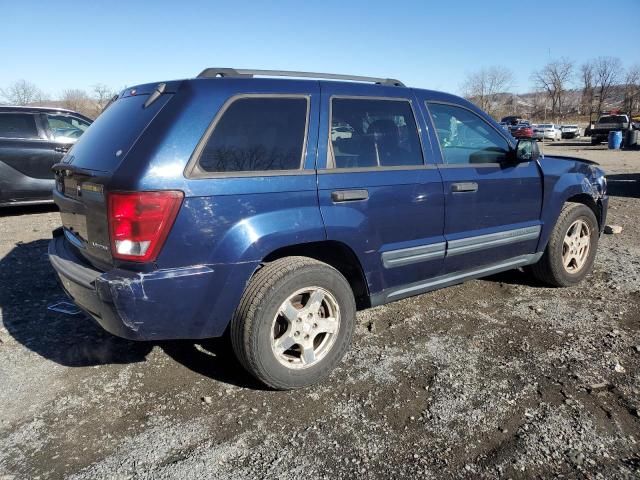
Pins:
x: 589, y: 201
x: 337, y: 254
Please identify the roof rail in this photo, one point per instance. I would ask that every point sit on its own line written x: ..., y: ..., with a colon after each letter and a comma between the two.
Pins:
x: 215, y: 72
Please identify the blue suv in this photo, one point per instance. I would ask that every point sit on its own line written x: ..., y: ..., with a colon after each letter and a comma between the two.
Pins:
x: 274, y: 208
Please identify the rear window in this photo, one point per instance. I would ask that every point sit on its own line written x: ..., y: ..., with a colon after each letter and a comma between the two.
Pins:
x: 115, y: 130
x: 18, y: 125
x: 613, y: 119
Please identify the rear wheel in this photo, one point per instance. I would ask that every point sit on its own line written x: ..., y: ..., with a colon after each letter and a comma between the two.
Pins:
x: 294, y: 323
x: 571, y: 250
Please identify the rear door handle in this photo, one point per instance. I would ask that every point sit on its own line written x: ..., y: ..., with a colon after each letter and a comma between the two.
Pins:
x: 349, y: 195
x: 464, y: 187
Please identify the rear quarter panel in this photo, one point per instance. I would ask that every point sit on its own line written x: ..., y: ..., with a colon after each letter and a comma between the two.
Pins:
x: 228, y: 223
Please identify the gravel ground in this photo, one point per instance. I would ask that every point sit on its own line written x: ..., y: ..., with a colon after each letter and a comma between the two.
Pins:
x: 495, y: 378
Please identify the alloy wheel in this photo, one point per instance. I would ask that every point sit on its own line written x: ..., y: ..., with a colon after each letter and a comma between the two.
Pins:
x: 576, y: 246
x: 305, y: 327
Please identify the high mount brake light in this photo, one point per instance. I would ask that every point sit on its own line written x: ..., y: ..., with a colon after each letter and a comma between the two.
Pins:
x: 139, y: 222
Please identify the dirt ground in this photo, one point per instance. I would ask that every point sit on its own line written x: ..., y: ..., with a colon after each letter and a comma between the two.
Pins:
x: 495, y: 378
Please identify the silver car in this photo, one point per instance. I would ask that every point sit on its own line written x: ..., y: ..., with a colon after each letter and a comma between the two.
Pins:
x: 547, y: 131
x: 570, y: 131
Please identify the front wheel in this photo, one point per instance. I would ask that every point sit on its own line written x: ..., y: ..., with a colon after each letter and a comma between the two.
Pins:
x: 571, y: 250
x: 294, y: 323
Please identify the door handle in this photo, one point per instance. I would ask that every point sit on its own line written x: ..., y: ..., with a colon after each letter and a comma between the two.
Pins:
x: 349, y: 195
x: 464, y: 187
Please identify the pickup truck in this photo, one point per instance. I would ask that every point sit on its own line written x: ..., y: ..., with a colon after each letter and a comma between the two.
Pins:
x: 606, y: 124
x: 229, y: 203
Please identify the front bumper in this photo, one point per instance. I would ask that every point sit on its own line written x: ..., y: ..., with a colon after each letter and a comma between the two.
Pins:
x: 164, y: 304
x: 604, y: 210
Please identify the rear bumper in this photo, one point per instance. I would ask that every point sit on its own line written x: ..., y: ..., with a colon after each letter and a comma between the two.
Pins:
x: 164, y: 304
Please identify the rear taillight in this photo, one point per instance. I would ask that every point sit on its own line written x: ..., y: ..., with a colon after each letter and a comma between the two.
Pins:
x: 139, y: 222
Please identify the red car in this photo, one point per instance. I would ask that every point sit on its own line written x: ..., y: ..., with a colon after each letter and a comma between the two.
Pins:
x: 522, y: 130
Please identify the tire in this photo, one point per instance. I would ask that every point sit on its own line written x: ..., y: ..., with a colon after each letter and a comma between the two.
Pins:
x: 260, y: 326
x: 595, y: 141
x: 551, y: 268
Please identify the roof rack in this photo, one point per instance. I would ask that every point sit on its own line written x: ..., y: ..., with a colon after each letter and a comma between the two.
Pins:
x: 215, y: 72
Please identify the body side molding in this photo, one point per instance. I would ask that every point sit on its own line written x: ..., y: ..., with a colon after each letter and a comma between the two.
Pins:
x: 409, y: 290
x: 405, y: 256
x: 480, y: 242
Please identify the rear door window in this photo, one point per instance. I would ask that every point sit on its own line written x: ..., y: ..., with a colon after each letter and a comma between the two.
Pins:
x: 373, y: 133
x: 18, y: 125
x: 257, y: 134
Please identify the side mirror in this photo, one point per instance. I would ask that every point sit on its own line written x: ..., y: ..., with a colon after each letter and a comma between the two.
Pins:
x: 527, y: 150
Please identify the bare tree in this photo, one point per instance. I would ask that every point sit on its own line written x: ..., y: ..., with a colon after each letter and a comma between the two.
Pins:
x: 607, y: 72
x: 632, y: 90
x: 21, y: 92
x: 483, y: 87
x: 102, y: 94
x: 77, y: 100
x: 554, y: 79
x: 588, y: 89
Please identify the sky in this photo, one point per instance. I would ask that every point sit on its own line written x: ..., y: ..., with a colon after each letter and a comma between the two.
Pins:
x: 425, y: 44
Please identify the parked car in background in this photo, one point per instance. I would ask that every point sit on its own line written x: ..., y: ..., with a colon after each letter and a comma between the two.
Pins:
x: 513, y: 120
x: 608, y: 123
x: 547, y: 131
x: 570, y: 131
x: 32, y: 139
x: 521, y: 130
x: 341, y: 131
x: 222, y: 203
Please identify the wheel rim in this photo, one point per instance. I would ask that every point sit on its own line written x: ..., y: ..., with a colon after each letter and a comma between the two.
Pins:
x: 305, y: 328
x: 576, y: 246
